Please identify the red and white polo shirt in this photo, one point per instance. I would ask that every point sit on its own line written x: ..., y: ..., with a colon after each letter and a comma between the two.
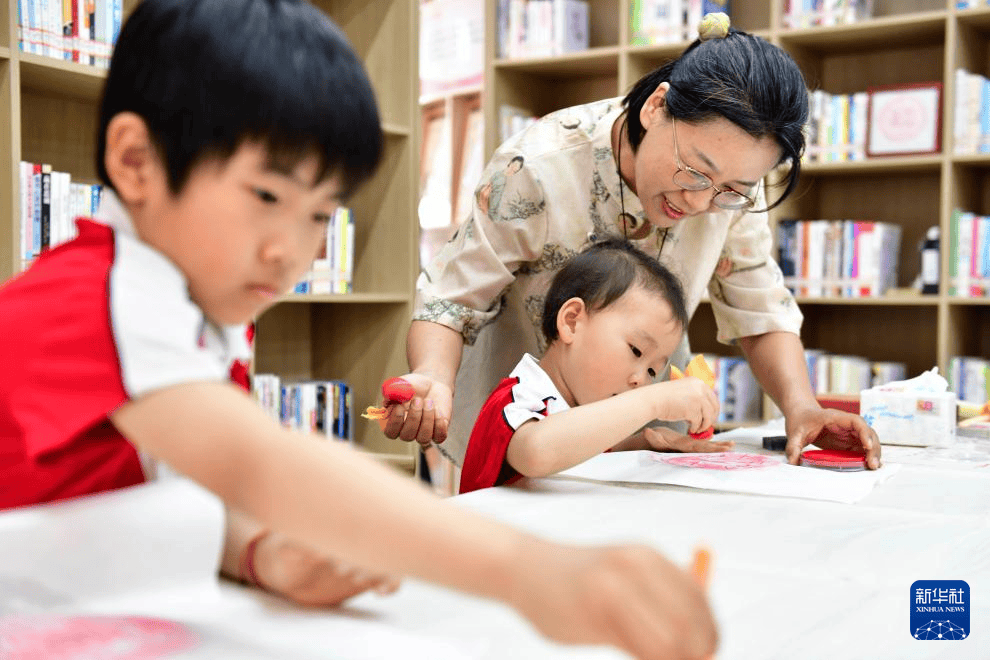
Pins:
x: 92, y: 324
x: 528, y: 393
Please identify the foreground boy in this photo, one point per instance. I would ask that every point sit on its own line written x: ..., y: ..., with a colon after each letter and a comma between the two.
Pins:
x: 612, y: 318
x: 230, y: 131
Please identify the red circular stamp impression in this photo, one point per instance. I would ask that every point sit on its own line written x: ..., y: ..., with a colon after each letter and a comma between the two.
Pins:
x: 722, y: 461
x: 29, y: 637
x: 834, y: 459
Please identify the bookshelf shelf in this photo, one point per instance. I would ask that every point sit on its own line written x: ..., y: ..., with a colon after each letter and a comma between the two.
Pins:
x: 978, y: 17
x: 902, y: 164
x: 978, y: 160
x: 346, y: 298
x: 969, y: 302
x: 50, y: 117
x: 46, y: 75
x: 395, y: 130
x: 903, y: 30
x: 872, y: 301
x: 590, y: 62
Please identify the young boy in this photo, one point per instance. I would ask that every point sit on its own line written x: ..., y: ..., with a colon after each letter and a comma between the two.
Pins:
x: 230, y: 130
x: 612, y: 318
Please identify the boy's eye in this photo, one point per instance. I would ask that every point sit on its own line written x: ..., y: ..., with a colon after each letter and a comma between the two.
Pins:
x: 635, y: 351
x: 322, y: 218
x: 265, y: 196
x: 653, y: 374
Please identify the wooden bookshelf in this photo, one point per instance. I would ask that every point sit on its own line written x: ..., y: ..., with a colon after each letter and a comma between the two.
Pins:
x: 48, y: 111
x: 906, y: 41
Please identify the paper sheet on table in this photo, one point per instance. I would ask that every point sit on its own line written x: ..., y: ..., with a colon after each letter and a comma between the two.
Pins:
x: 133, y: 574
x: 736, y: 472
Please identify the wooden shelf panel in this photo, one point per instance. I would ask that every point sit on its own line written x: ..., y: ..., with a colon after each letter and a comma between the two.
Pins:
x: 975, y: 160
x: 46, y: 75
x: 969, y: 302
x: 905, y: 30
x: 592, y: 62
x: 396, y: 130
x: 893, y: 164
x: 346, y: 298
x: 977, y: 17
x: 879, y: 301
x: 4, y: 53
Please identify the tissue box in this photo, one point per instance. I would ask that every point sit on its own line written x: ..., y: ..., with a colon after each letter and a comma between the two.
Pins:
x: 919, y: 419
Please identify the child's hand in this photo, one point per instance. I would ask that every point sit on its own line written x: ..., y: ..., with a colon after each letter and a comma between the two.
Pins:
x: 306, y: 577
x: 629, y: 597
x: 687, y: 399
x: 664, y: 439
x: 425, y: 418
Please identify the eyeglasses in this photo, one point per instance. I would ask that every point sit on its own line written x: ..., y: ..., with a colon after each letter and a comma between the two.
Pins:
x: 689, y: 178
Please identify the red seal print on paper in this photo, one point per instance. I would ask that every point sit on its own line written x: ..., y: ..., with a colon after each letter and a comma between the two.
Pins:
x: 30, y: 637
x: 722, y: 461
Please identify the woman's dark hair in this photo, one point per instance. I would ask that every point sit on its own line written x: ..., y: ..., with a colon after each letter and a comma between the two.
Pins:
x: 208, y: 75
x: 601, y: 273
x: 743, y: 78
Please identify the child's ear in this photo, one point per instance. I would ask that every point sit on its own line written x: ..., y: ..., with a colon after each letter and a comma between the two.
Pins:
x: 130, y: 158
x: 570, y: 314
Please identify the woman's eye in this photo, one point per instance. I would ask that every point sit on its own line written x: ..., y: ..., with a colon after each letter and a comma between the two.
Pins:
x: 265, y: 196
x: 322, y: 218
x: 635, y: 351
x: 653, y: 374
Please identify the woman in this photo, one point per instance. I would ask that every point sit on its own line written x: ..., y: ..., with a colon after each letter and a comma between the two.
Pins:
x: 675, y: 166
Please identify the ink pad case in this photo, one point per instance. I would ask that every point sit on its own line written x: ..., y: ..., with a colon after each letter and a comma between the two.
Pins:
x: 834, y: 459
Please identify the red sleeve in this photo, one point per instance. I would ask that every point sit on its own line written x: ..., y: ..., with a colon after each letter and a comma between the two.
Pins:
x: 61, y: 372
x: 484, y: 462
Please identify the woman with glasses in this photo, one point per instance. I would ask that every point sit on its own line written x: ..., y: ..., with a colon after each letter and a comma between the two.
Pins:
x: 677, y: 167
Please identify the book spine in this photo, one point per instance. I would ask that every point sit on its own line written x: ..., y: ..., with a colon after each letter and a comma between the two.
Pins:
x: 46, y: 206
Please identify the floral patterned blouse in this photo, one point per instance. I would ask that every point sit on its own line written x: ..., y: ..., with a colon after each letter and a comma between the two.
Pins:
x: 546, y: 193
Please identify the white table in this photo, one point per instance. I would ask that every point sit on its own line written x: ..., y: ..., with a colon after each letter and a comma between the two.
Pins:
x: 792, y: 579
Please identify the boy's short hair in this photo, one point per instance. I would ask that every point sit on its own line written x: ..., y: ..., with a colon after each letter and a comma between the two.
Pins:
x: 601, y: 273
x: 209, y: 75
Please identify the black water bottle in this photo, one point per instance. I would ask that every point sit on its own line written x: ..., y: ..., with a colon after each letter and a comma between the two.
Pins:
x: 929, y: 262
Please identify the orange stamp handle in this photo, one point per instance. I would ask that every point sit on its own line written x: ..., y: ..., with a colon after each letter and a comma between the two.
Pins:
x: 698, y: 368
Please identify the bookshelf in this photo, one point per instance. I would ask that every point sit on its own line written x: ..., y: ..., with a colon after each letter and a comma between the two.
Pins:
x: 906, y: 41
x: 48, y: 113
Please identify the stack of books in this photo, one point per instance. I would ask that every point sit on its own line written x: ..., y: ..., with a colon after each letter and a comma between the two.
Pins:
x: 323, y: 407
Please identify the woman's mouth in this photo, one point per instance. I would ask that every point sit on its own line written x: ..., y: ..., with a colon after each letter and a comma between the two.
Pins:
x: 670, y: 210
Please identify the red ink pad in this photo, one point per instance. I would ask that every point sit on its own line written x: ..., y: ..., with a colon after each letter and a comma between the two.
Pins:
x: 834, y: 459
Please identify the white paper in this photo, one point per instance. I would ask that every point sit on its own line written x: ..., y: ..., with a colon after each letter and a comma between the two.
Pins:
x: 729, y: 471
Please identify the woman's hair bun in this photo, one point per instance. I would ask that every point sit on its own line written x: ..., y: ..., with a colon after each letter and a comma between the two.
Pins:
x: 713, y: 26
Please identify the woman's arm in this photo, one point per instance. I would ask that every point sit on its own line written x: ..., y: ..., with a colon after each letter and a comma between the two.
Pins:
x: 777, y: 360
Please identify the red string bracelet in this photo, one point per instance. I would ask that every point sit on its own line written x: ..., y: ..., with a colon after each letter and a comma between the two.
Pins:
x: 248, y: 572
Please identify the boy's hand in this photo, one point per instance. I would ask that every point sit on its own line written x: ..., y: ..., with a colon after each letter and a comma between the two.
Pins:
x: 424, y: 419
x: 306, y: 577
x: 687, y: 399
x: 628, y: 596
x: 664, y: 439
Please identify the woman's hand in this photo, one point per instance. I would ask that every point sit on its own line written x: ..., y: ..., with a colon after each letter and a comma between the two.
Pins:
x: 830, y: 429
x: 426, y: 417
